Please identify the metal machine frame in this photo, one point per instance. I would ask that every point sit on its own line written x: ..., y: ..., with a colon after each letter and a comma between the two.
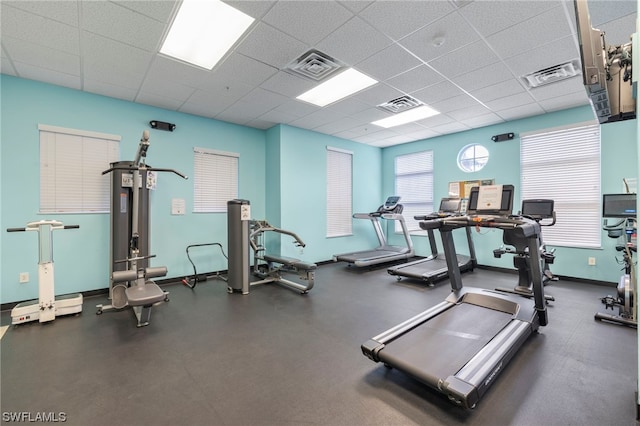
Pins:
x: 48, y: 306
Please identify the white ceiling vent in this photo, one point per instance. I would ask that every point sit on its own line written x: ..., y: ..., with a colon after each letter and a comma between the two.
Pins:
x: 552, y: 74
x: 401, y: 104
x: 314, y: 65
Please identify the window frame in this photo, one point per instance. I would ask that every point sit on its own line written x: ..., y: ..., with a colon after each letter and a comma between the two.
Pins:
x: 413, y: 202
x: 474, y: 159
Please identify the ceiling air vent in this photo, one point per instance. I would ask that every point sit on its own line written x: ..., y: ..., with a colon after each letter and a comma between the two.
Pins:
x: 552, y: 74
x: 314, y: 65
x: 400, y: 104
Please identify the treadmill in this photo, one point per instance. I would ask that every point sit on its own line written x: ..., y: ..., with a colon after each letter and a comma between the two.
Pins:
x: 390, y: 210
x: 460, y: 346
x: 434, y: 267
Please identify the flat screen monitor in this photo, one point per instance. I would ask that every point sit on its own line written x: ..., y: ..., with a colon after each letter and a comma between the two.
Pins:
x: 619, y: 205
x: 506, y: 203
x: 449, y: 205
x: 537, y: 209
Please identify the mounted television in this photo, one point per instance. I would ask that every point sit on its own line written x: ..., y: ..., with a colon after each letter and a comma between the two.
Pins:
x: 619, y: 205
x: 606, y: 70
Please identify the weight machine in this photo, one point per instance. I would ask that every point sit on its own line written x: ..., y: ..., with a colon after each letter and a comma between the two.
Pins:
x: 130, y: 275
x: 48, y: 306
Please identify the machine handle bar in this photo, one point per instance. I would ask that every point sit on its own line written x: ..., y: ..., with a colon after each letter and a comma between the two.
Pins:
x: 32, y: 228
x: 134, y: 258
x: 154, y: 169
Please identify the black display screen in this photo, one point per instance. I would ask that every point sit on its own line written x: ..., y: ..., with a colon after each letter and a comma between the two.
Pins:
x: 619, y: 205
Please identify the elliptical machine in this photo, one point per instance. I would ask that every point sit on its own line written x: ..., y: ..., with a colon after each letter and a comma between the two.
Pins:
x: 542, y: 211
x: 623, y: 207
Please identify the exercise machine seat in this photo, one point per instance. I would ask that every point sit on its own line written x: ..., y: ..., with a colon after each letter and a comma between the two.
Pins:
x: 289, y: 261
x: 144, y: 295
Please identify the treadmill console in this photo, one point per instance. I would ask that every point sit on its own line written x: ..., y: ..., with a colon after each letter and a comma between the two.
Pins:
x: 390, y: 204
x: 537, y: 209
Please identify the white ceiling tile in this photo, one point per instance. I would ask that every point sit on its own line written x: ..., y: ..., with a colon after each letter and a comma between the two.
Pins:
x: 512, y: 101
x: 106, y: 89
x: 238, y: 68
x: 437, y: 92
x: 355, y: 5
x: 165, y: 69
x: 206, y: 103
x: 348, y: 106
x: 39, y: 30
x: 467, y: 58
x: 484, y: 77
x: 307, y: 21
x: 415, y: 79
x: 563, y: 102
x: 547, y: 27
x: 61, y: 11
x: 400, y: 18
x: 619, y: 31
x: 264, y: 98
x: 366, y: 116
x: 482, y: 120
x: 274, y: 116
x: 463, y: 114
x: 454, y: 103
x: 387, y: 63
x: 496, y: 91
x: 98, y: 64
x: 564, y: 87
x: 440, y: 37
x: 47, y: 75
x: 436, y: 120
x: 165, y: 88
x: 544, y: 56
x: 523, y: 111
x: 159, y: 10
x: 296, y: 108
x: 271, y: 46
x: 316, y: 119
x: 35, y: 54
x: 259, y: 123
x: 118, y: 23
x: 377, y: 94
x: 353, y: 42
x: 452, y: 127
x: 287, y: 84
x: 336, y: 126
x: 489, y: 17
x: 157, y: 100
x: 423, y: 134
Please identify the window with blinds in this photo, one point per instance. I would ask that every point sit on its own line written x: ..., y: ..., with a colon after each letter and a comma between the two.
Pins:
x: 339, y: 191
x: 564, y: 165
x: 71, y: 166
x: 414, y: 183
x: 215, y: 180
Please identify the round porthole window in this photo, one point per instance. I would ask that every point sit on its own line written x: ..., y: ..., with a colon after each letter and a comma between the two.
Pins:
x: 473, y: 157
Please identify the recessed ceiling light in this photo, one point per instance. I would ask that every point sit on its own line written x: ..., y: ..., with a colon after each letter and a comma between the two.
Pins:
x: 342, y: 85
x: 409, y: 116
x: 203, y: 31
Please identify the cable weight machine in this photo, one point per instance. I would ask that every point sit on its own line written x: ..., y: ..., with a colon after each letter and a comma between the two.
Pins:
x: 130, y: 281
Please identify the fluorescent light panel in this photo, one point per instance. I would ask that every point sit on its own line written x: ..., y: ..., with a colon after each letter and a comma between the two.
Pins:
x: 203, y: 31
x: 414, y: 114
x: 342, y: 85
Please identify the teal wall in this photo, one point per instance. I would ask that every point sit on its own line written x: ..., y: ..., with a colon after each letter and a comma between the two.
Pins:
x: 619, y: 151
x: 82, y: 256
x: 282, y: 172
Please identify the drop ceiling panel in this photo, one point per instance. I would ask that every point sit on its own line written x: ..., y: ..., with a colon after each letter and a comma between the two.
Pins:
x: 482, y: 120
x: 464, y: 60
x: 271, y: 46
x: 496, y: 91
x: 387, y: 63
x: 307, y: 21
x: 490, y: 17
x: 35, y: 54
x: 524, y: 111
x: 61, y: 11
x: 110, y: 90
x: 118, y: 23
x: 438, y: 92
x: 39, y: 30
x: 415, y: 79
x: 566, y: 101
x: 484, y: 77
x: 564, y: 87
x: 440, y: 37
x: 354, y: 41
x: 161, y: 11
x: 47, y: 75
x: 238, y: 68
x: 512, y: 101
x: 397, y: 22
x: 545, y: 56
x: 160, y: 101
x: 254, y: 8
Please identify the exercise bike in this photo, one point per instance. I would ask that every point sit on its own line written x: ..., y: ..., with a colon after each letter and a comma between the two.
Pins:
x: 622, y: 206
x: 542, y: 211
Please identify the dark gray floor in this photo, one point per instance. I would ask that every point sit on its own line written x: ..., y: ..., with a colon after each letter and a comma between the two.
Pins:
x: 275, y: 357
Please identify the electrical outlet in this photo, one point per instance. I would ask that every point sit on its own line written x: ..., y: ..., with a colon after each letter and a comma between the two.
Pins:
x: 592, y: 261
x: 24, y: 277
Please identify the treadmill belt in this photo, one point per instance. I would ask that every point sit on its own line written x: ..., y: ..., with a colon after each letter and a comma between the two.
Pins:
x: 367, y: 255
x: 440, y: 347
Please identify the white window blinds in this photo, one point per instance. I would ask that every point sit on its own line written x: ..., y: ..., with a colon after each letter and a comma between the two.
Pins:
x: 564, y: 165
x: 339, y: 184
x: 71, y: 166
x: 215, y: 180
x: 414, y: 184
